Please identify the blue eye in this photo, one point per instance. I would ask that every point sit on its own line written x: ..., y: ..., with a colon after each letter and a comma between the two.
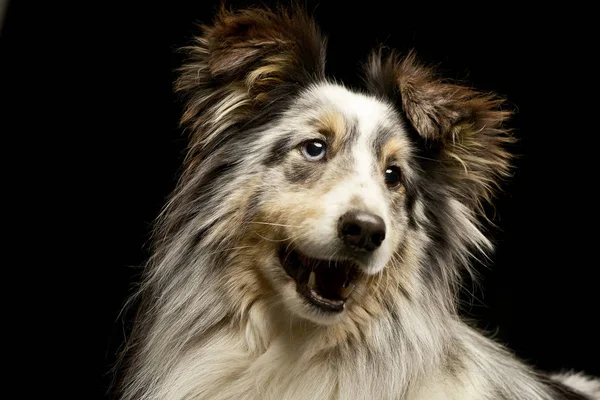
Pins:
x: 314, y: 150
x: 392, y: 176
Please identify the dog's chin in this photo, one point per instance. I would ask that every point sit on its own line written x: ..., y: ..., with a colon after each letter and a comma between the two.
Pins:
x: 321, y: 287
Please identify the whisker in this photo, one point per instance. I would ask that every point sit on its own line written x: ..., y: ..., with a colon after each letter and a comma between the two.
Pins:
x: 269, y: 239
x: 274, y: 224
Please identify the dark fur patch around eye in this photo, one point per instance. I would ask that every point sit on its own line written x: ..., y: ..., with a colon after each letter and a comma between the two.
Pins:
x: 278, y: 151
x: 302, y: 172
x: 411, y: 200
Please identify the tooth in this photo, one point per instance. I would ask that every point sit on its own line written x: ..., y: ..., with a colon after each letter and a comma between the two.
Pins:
x: 347, y: 290
x: 312, y: 279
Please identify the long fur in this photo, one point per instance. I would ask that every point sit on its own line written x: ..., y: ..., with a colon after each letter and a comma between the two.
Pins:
x: 217, y: 318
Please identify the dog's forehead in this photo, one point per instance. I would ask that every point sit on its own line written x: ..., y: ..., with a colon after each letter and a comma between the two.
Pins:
x: 331, y: 105
x: 368, y: 111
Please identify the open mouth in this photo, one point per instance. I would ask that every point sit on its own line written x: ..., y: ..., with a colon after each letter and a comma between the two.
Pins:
x: 326, y: 284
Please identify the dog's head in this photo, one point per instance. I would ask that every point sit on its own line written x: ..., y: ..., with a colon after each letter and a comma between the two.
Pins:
x: 323, y: 199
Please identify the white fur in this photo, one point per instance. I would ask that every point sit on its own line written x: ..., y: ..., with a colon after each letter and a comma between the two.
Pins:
x: 580, y: 382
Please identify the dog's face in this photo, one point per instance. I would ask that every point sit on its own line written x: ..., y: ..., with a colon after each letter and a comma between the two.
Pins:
x: 319, y: 189
x: 333, y: 194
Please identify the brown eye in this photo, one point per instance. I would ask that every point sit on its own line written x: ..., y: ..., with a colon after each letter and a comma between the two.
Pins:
x: 392, y: 176
x: 314, y: 150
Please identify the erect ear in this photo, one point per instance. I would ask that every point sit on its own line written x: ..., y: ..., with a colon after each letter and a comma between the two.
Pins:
x: 464, y: 126
x: 247, y: 60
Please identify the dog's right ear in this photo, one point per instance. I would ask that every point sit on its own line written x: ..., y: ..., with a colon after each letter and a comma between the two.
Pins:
x: 246, y: 62
x: 264, y: 48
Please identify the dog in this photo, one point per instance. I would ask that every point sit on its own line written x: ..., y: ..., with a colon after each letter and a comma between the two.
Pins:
x: 315, y: 243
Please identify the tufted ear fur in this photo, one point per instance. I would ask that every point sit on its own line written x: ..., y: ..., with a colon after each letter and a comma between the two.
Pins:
x: 262, y: 48
x: 245, y: 66
x: 460, y: 128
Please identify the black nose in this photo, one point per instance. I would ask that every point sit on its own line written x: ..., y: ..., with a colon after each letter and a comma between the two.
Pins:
x: 361, y: 229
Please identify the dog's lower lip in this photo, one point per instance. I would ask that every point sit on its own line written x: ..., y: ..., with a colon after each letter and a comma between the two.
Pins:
x: 327, y: 304
x: 325, y: 284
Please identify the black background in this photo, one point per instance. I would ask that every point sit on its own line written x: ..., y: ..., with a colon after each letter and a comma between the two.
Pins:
x: 93, y: 82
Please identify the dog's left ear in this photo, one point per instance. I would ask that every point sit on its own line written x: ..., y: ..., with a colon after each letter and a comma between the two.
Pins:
x: 460, y: 128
